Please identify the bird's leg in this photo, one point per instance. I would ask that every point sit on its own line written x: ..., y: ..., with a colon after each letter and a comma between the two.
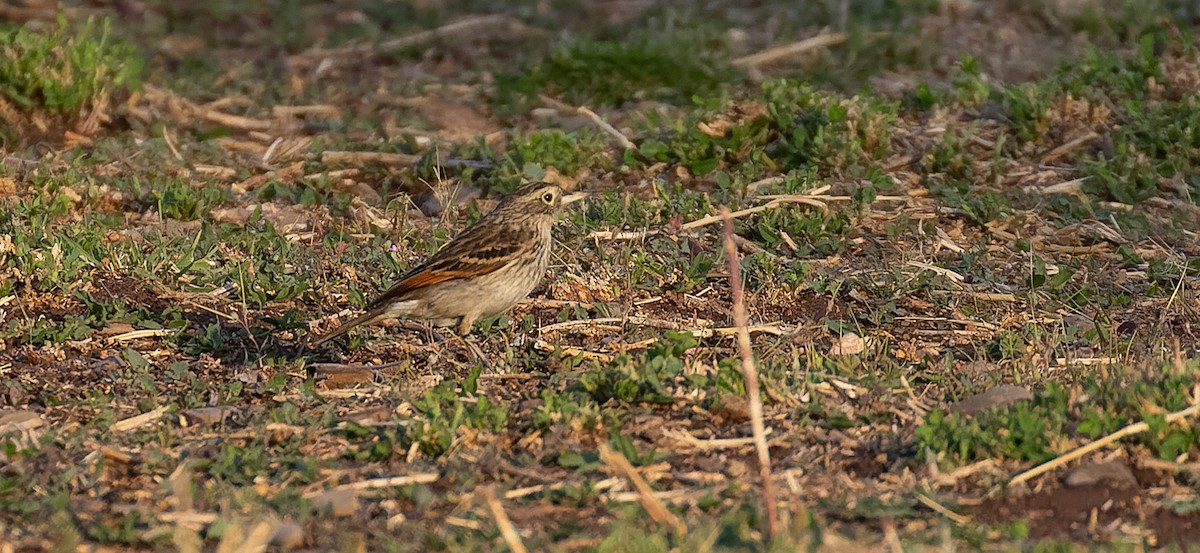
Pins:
x: 483, y: 360
x: 466, y: 323
x: 464, y: 329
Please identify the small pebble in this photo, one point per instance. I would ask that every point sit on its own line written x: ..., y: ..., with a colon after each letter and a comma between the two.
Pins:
x: 848, y: 344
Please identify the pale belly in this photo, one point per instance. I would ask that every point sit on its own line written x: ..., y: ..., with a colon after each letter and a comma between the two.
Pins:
x: 446, y: 303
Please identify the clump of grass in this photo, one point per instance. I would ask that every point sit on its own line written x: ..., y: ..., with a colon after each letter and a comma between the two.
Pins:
x: 568, y: 153
x: 788, y: 125
x: 1126, y: 20
x: 62, y: 78
x: 642, y: 381
x: 671, y: 68
x: 828, y: 131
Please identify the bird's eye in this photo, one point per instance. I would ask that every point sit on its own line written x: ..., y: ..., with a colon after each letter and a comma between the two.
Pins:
x: 548, y: 197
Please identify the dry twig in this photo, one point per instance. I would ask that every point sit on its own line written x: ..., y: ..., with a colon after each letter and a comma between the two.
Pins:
x: 396, y: 158
x: 502, y: 521
x: 750, y: 374
x: 709, y: 444
x: 942, y: 509
x: 573, y: 351
x: 612, y: 131
x: 565, y: 109
x: 389, y: 482
x: 188, y: 109
x: 138, y: 334
x: 788, y: 50
x: 773, y: 330
x: 138, y: 421
x: 1066, y: 148
x: 817, y: 198
x: 470, y: 26
x: 653, y: 505
x: 1078, y: 452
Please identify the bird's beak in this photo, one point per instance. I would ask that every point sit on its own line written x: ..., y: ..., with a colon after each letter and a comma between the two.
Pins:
x: 572, y: 198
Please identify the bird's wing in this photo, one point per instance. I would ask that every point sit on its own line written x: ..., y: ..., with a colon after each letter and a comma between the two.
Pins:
x: 479, y: 250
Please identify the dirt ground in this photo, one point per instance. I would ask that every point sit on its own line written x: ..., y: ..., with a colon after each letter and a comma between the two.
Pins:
x: 161, y: 395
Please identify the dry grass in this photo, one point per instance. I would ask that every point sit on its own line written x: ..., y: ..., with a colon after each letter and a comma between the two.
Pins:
x: 672, y: 386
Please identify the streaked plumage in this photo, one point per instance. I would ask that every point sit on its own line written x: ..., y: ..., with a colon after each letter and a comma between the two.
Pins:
x: 485, y: 270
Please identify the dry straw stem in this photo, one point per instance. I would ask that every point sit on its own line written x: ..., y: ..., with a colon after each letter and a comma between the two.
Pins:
x: 817, y: 199
x: 382, y: 158
x: 530, y: 490
x: 750, y: 374
x: 138, y: 421
x: 709, y: 444
x: 788, y: 50
x: 891, y: 537
x: 502, y: 521
x: 471, y: 26
x: 942, y: 509
x: 1066, y: 148
x: 653, y: 505
x: 190, y: 110
x: 388, y: 482
x: 573, y: 351
x: 564, y: 109
x: 1130, y: 430
x: 660, y: 323
x: 138, y: 334
x: 396, y: 159
x: 612, y: 131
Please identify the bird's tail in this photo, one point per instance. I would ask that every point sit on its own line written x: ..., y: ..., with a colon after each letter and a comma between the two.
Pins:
x: 367, y: 317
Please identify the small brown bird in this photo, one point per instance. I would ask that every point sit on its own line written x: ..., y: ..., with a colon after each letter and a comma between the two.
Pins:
x: 485, y: 270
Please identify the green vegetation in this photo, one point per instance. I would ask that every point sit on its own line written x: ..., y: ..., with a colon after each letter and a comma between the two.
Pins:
x: 672, y: 67
x: 61, y: 76
x: 902, y: 247
x: 1088, y: 409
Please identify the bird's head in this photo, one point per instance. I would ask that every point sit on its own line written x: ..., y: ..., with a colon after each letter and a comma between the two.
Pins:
x: 540, y: 197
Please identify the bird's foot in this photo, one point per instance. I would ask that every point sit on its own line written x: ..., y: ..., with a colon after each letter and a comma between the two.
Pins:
x: 468, y: 343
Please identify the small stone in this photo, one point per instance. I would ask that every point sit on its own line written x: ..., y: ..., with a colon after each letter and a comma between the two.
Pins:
x: 339, y: 503
x: 1113, y: 473
x: 848, y: 344
x: 288, y: 535
x: 209, y: 416
x: 1003, y: 394
x: 366, y: 192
